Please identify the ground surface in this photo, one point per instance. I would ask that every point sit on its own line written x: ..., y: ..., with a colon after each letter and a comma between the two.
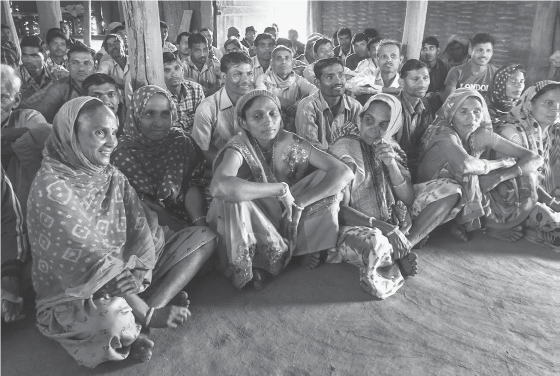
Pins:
x: 480, y: 308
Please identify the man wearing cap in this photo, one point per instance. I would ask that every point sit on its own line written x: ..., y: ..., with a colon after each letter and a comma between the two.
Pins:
x: 250, y: 33
x: 264, y: 44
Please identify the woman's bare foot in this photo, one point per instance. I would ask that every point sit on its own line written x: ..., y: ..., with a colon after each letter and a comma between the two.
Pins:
x: 260, y: 276
x: 313, y: 260
x: 509, y: 235
x: 421, y: 243
x: 170, y: 316
x: 181, y: 300
x: 408, y: 265
x: 459, y: 231
x: 141, y: 349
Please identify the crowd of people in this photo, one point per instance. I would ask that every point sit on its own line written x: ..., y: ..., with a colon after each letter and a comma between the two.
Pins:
x: 252, y: 155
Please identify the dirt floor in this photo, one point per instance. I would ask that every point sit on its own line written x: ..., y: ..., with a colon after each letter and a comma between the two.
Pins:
x: 479, y: 308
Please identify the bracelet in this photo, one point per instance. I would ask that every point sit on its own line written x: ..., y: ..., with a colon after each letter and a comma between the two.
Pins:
x: 199, y: 218
x: 371, y: 222
x: 520, y: 170
x: 286, y: 189
x: 552, y: 200
x: 486, y: 167
x: 149, y: 316
x: 297, y: 206
x: 401, y: 184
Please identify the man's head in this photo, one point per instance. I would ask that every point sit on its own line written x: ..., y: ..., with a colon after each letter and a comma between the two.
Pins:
x: 164, y: 30
x: 282, y: 61
x: 81, y: 62
x: 309, y: 47
x: 198, y: 47
x: 272, y: 31
x: 482, y: 49
x: 121, y: 32
x: 264, y: 44
x: 6, y: 33
x: 32, y: 54
x: 293, y: 35
x: 114, y: 46
x: 415, y: 78
x: 11, y: 84
x: 104, y: 87
x: 371, y: 33
x: 389, y: 56
x: 232, y: 45
x: 430, y: 49
x: 65, y: 29
x: 360, y: 43
x: 207, y: 33
x: 172, y: 70
x: 233, y: 32
x: 372, y: 46
x: 182, y: 42
x: 323, y: 49
x: 344, y: 36
x: 237, y: 73
x: 56, y: 42
x: 329, y: 77
x: 250, y: 33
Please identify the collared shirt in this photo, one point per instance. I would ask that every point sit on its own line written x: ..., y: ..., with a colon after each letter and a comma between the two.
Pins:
x: 353, y: 60
x: 187, y: 102
x: 338, y: 52
x: 215, y: 121
x: 365, y: 65
x: 113, y: 69
x: 298, y: 89
x: 57, y: 70
x: 437, y: 76
x: 257, y: 68
x: 31, y: 91
x: 316, y: 123
x: 208, y: 76
x: 415, y: 122
x: 168, y: 47
x: 60, y: 92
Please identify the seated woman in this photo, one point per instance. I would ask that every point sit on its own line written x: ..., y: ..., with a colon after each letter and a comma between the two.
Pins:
x: 161, y: 162
x: 505, y: 90
x: 497, y: 194
x: 275, y: 195
x: 378, y: 204
x: 535, y: 124
x: 96, y: 247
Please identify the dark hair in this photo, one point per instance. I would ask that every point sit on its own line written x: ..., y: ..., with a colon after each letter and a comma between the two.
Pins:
x: 233, y: 40
x: 284, y: 42
x: 97, y: 79
x: 205, y: 29
x: 116, y: 36
x: 324, y: 63
x: 545, y: 90
x: 389, y: 42
x: 77, y: 48
x: 170, y: 57
x: 232, y: 59
x: 360, y: 37
x: 293, y: 31
x: 247, y: 105
x: 321, y: 42
x: 373, y: 41
x: 344, y: 31
x: 270, y: 28
x: 412, y: 64
x: 263, y: 37
x: 117, y: 29
x: 33, y: 41
x: 90, y: 106
x: 55, y: 32
x: 163, y: 25
x: 431, y: 40
x: 282, y: 48
x: 197, y: 39
x: 483, y: 38
x: 371, y: 33
x: 180, y: 36
x: 250, y: 28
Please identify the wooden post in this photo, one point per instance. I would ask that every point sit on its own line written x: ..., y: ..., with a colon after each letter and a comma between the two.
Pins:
x: 542, y: 38
x: 8, y: 20
x: 413, y: 33
x: 50, y: 15
x: 145, y: 55
x: 86, y: 26
x: 315, y: 17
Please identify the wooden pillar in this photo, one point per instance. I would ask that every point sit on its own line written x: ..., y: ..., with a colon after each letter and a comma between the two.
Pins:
x: 413, y: 33
x: 86, y: 26
x: 315, y: 17
x: 542, y: 38
x: 145, y: 55
x: 7, y: 19
x: 50, y: 15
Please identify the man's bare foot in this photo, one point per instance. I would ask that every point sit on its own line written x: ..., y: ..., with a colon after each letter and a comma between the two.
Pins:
x: 313, y: 260
x: 170, y: 316
x: 408, y: 265
x: 459, y: 231
x: 260, y: 276
x: 141, y: 349
x: 181, y: 300
x: 509, y: 235
x: 421, y: 243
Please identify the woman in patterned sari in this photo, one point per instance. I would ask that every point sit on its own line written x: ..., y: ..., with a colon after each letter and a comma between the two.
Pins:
x: 535, y: 124
x: 275, y: 195
x: 96, y: 247
x: 505, y: 90
x: 379, y: 203
x: 497, y: 194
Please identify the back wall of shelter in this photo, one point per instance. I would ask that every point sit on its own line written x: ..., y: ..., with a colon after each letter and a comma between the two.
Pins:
x: 510, y: 22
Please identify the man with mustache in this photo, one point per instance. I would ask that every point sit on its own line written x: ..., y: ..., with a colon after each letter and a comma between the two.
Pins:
x: 117, y: 66
x: 56, y: 60
x: 215, y: 120
x: 104, y: 87
x: 438, y: 71
x: 417, y: 114
x: 198, y: 67
x: 322, y: 114
x: 35, y: 77
x: 477, y: 73
x: 264, y: 44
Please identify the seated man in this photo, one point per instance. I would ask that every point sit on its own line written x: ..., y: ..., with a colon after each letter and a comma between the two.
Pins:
x: 24, y: 133
x: 183, y: 45
x: 35, y: 77
x: 81, y: 65
x: 247, y: 42
x: 371, y: 64
x: 117, y: 66
x: 199, y: 68
x: 298, y: 48
x: 438, y: 71
x: 102, y: 86
x: 56, y: 60
x: 286, y: 84
x: 417, y: 114
x: 360, y: 43
x: 323, y: 49
x: 477, y: 73
x: 15, y: 251
x: 456, y: 51
x: 213, y: 52
x: 322, y: 114
x: 344, y: 48
x: 215, y: 120
x: 70, y: 42
x: 8, y: 44
x: 166, y: 46
x: 186, y: 94
x: 264, y: 44
x: 233, y: 45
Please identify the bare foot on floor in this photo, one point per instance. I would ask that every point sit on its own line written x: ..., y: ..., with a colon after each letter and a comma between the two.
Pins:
x: 509, y: 235
x: 421, y: 243
x: 181, y: 300
x: 260, y: 276
x: 141, y: 349
x: 313, y: 260
x: 408, y: 265
x: 459, y: 231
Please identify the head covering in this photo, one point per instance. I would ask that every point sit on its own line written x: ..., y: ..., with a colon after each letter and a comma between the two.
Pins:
x: 242, y: 102
x: 112, y: 26
x: 161, y: 169
x: 445, y: 114
x: 496, y: 96
x: 233, y: 31
x: 462, y: 40
x: 396, y: 122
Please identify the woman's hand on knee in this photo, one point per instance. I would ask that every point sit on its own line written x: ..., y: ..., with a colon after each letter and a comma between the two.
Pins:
x: 169, y: 317
x: 124, y: 284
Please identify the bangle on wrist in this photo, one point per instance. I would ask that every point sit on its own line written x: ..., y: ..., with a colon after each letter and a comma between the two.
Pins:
x: 520, y: 171
x: 486, y: 167
x: 371, y: 222
x: 298, y: 207
x: 285, y: 188
x: 552, y: 200
x: 401, y: 184
x: 149, y: 315
x: 199, y: 218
